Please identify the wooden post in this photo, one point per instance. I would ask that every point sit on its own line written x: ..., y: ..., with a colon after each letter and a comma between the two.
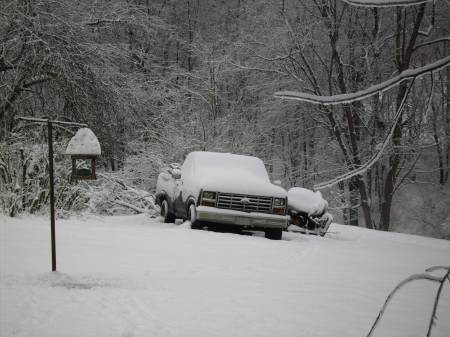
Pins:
x: 52, y: 193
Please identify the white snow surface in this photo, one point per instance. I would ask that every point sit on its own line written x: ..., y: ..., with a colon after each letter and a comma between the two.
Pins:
x: 228, y: 173
x: 84, y: 142
x: 306, y: 200
x: 135, y: 276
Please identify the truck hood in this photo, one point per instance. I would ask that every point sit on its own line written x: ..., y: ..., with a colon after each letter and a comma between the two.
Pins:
x: 248, y: 185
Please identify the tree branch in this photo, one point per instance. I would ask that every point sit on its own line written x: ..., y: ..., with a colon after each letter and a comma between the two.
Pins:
x: 373, y: 90
x: 436, y: 302
x: 442, y: 39
x: 134, y: 208
x: 415, y: 277
x: 384, y: 3
x: 100, y: 22
x: 375, y: 157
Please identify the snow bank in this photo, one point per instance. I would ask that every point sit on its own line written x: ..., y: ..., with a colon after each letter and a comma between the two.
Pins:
x: 306, y: 200
x: 133, y: 276
x: 84, y: 142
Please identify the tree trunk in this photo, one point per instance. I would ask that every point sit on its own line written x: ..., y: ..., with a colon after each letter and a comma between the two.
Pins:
x: 404, y: 51
x: 354, y: 201
x: 447, y: 127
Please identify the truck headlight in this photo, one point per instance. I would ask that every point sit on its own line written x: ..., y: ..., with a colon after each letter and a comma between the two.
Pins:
x: 208, y: 199
x: 279, y: 206
x: 279, y: 202
x: 209, y: 195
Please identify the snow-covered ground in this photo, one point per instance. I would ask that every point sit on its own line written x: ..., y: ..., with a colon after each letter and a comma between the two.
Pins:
x: 134, y: 276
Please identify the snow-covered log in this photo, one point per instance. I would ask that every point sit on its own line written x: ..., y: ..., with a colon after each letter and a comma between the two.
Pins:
x: 117, y: 193
x: 372, y: 90
x: 384, y: 3
x: 134, y: 208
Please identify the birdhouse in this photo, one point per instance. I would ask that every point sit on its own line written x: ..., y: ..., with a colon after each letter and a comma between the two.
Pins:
x: 83, y: 148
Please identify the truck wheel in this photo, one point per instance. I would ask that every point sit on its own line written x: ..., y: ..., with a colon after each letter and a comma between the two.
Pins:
x: 165, y: 213
x: 273, y: 233
x: 192, y: 217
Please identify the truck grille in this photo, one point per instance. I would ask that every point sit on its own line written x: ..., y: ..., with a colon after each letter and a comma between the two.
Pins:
x: 244, y: 203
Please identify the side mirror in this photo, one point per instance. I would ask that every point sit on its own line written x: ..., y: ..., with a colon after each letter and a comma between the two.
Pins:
x: 277, y: 182
x: 176, y: 173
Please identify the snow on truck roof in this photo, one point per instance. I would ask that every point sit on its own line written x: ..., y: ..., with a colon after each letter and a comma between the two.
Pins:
x: 228, y: 162
x: 84, y: 142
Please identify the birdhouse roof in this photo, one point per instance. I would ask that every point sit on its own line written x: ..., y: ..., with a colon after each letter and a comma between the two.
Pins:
x: 84, y: 143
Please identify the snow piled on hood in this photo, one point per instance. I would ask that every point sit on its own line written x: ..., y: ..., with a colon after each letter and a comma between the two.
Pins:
x: 230, y: 173
x: 306, y: 200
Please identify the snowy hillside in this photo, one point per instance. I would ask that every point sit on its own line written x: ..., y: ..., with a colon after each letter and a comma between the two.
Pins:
x: 134, y: 276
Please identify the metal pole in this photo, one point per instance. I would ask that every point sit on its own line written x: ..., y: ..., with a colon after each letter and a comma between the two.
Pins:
x: 51, y: 174
x: 43, y: 120
x: 52, y: 193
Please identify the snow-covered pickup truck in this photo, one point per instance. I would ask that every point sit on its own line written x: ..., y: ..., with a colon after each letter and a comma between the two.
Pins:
x: 221, y: 188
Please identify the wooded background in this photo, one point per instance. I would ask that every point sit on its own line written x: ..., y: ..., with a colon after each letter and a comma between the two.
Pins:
x: 156, y: 79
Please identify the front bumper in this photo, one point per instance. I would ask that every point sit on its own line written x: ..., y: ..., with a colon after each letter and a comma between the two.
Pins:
x: 244, y: 219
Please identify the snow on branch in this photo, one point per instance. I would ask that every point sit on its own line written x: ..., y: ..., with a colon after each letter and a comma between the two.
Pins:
x: 373, y: 90
x: 417, y: 277
x: 375, y: 157
x: 384, y: 3
x: 99, y: 22
x: 442, y: 39
x: 133, y: 207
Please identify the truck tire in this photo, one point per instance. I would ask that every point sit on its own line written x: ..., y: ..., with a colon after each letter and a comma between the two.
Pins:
x: 165, y: 213
x: 273, y: 233
x: 195, y: 224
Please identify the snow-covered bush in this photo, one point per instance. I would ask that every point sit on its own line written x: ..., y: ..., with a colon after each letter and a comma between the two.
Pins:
x: 111, y: 195
x: 24, y: 185
x: 24, y: 177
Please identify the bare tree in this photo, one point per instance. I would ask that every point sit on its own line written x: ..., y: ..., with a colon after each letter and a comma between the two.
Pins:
x: 354, y: 111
